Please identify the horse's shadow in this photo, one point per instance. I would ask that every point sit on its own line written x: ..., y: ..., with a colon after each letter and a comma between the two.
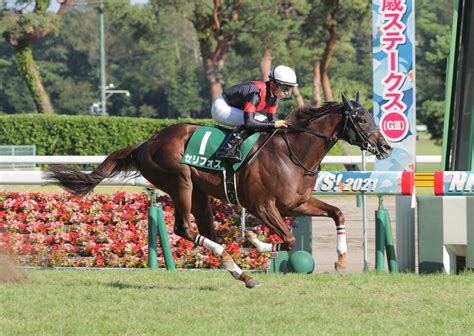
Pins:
x: 121, y: 285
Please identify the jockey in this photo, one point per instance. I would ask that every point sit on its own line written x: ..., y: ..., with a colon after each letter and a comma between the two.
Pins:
x: 242, y: 105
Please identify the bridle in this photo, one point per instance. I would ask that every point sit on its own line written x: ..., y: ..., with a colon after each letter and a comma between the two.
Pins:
x: 363, y: 141
x: 360, y: 139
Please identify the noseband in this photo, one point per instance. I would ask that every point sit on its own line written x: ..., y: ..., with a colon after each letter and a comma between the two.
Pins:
x: 363, y: 142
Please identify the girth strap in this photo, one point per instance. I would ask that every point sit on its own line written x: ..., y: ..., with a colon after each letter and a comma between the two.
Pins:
x: 230, y: 185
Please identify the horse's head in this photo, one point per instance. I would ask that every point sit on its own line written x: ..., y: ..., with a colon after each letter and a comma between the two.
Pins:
x: 360, y: 130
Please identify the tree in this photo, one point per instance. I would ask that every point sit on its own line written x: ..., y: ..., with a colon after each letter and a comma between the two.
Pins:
x: 328, y: 23
x: 433, y: 35
x: 20, y: 29
x: 268, y: 33
x: 271, y: 36
x: 293, y: 18
x: 217, y: 27
x: 154, y: 53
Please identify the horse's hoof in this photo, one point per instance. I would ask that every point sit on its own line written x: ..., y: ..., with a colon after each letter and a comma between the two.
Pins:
x: 341, y: 270
x: 249, y: 282
x: 253, y: 283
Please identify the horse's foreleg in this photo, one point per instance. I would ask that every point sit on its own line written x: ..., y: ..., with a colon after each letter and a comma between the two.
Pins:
x: 269, y: 215
x: 317, y: 208
x: 260, y: 245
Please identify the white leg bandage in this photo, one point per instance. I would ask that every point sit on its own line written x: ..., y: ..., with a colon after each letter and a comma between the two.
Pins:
x: 261, y: 246
x: 229, y: 265
x: 215, y: 248
x: 341, y: 239
x: 235, y: 271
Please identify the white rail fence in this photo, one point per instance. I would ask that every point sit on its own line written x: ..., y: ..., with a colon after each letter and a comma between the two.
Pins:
x: 34, y: 177
x: 76, y: 159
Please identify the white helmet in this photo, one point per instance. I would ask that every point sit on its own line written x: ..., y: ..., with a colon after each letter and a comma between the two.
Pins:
x: 283, y: 75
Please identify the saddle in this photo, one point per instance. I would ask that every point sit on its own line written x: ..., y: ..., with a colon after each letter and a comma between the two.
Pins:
x: 201, y: 150
x: 203, y: 144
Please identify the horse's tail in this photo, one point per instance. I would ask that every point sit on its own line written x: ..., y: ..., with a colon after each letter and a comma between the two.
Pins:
x: 79, y: 183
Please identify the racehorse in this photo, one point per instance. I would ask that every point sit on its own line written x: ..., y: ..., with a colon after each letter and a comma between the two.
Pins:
x: 278, y: 182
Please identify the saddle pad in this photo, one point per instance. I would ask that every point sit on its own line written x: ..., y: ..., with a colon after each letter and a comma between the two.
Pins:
x: 204, y: 143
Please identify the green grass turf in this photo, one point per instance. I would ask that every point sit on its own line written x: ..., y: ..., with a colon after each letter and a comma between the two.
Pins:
x: 95, y: 302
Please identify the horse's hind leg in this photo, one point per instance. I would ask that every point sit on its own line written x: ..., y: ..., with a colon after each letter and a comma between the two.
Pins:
x: 318, y: 208
x: 182, y: 212
x: 183, y: 201
x: 202, y: 212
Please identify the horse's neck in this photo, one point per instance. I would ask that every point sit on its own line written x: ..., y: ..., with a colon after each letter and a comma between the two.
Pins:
x: 311, y: 148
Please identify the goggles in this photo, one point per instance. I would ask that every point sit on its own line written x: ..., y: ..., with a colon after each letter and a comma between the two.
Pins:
x: 285, y: 88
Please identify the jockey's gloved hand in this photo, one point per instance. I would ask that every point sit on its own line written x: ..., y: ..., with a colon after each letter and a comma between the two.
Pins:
x: 281, y: 124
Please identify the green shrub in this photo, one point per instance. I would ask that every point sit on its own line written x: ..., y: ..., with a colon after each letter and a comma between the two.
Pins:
x: 80, y: 135
x: 85, y: 135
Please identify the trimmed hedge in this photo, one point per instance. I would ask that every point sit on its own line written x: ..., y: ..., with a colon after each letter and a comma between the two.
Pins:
x: 80, y: 135
x: 86, y: 135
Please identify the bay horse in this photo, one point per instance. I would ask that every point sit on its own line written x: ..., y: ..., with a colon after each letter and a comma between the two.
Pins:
x: 278, y: 182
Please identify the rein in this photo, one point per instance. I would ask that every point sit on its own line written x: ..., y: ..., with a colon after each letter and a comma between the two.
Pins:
x: 307, y: 130
x: 347, y: 120
x: 295, y: 158
x: 254, y: 156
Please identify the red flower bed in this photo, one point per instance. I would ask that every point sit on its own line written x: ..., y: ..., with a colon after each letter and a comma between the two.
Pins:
x: 46, y: 229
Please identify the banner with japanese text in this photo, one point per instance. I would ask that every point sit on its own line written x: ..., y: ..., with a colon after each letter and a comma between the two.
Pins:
x: 393, y: 24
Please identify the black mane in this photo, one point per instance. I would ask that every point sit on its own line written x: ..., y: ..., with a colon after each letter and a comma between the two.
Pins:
x: 302, y: 115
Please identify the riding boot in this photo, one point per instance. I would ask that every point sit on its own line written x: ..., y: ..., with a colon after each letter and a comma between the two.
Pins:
x: 229, y: 151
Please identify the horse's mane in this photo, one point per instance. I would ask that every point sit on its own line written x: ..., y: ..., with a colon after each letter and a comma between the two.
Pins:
x: 303, y: 115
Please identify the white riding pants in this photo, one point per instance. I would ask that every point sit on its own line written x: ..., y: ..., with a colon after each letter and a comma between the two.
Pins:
x: 230, y: 116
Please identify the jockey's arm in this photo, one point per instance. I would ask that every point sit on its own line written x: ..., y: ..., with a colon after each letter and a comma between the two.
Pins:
x: 271, y: 117
x: 250, y: 110
x: 251, y: 123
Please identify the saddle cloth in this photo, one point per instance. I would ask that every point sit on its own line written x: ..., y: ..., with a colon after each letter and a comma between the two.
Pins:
x: 201, y: 148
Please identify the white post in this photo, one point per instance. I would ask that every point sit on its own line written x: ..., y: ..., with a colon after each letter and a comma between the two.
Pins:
x: 364, y: 219
x: 242, y: 221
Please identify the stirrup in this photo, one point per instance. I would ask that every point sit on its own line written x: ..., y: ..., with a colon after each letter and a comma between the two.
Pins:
x: 229, y: 156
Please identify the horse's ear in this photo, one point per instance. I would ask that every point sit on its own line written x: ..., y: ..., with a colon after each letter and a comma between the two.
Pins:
x: 347, y: 103
x: 357, y: 97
